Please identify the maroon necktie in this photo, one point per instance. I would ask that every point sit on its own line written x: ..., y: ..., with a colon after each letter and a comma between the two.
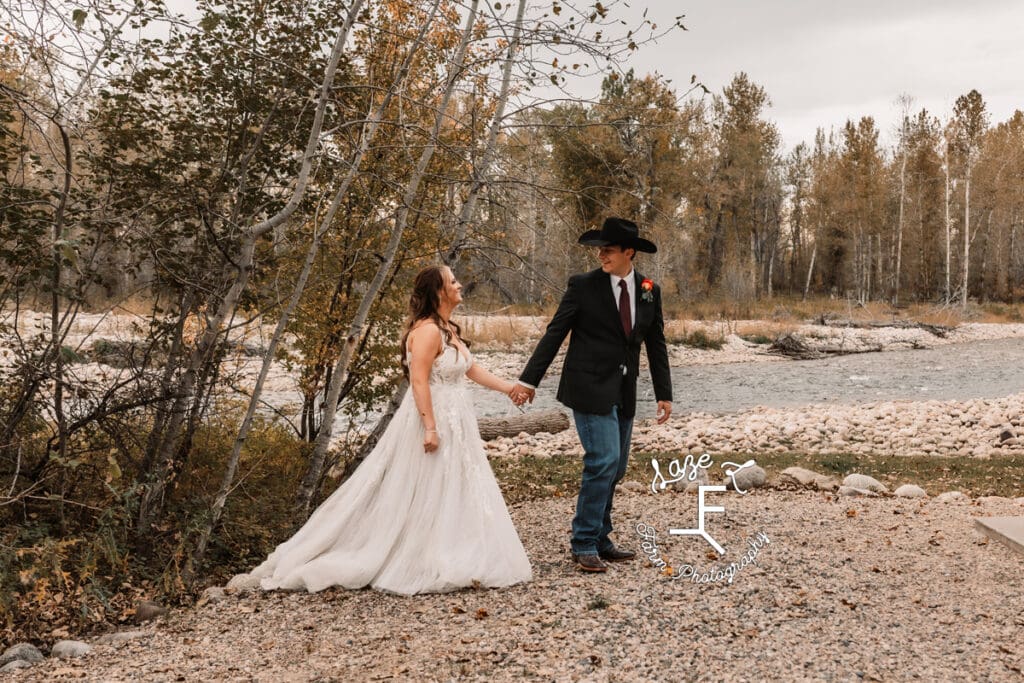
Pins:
x: 627, y: 319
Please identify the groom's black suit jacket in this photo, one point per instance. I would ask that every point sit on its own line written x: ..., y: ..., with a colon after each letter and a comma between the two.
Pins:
x: 592, y: 375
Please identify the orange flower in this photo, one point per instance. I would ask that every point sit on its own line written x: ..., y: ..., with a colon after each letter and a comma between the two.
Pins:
x: 647, y: 285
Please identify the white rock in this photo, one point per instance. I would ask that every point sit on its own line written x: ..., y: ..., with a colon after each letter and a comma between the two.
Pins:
x: 824, y: 483
x: 15, y: 665
x: 952, y: 497
x: 853, y: 491
x: 26, y: 652
x: 243, y: 583
x: 748, y: 478
x: 863, y: 481
x: 992, y: 499
x: 67, y: 649
x: 214, y: 594
x: 686, y: 484
x: 119, y: 637
x: 910, y: 491
x: 633, y: 486
x: 799, y: 475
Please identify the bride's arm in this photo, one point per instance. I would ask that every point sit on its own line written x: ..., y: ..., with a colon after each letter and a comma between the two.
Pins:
x: 486, y: 379
x: 424, y: 344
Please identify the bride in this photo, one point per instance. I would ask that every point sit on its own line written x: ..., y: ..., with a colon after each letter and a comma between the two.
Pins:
x: 423, y: 513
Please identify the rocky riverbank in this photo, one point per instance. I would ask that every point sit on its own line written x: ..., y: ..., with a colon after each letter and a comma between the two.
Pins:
x: 979, y: 428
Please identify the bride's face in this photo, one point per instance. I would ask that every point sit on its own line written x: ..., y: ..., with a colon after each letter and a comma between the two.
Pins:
x: 452, y: 290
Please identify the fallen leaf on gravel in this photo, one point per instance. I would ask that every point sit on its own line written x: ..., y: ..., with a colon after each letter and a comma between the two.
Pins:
x: 851, y: 513
x: 480, y: 613
x: 458, y: 610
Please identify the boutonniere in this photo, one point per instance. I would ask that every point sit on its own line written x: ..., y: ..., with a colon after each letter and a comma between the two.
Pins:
x: 647, y: 289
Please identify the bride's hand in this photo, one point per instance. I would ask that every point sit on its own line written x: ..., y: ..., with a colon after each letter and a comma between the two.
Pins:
x: 430, y: 441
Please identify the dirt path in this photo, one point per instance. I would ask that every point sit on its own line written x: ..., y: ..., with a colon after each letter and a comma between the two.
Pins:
x: 846, y: 589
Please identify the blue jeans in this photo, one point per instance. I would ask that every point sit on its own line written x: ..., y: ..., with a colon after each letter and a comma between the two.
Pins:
x: 605, y: 440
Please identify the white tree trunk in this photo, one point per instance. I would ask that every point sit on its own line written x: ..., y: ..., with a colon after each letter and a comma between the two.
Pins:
x: 369, y: 132
x: 319, y: 456
x: 810, y: 270
x: 899, y: 228
x: 479, y: 175
x: 967, y: 233
x: 157, y: 479
x: 949, y: 229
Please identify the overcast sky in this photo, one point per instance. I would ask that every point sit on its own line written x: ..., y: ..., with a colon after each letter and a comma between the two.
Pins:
x: 824, y: 61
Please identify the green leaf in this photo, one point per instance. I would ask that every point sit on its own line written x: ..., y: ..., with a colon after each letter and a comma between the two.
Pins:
x: 79, y: 16
x: 209, y: 22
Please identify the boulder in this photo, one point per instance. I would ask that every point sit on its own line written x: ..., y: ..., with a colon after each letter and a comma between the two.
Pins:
x: 633, y: 486
x: 242, y: 583
x: 14, y: 665
x: 853, y: 491
x: 119, y: 637
x: 67, y: 649
x: 808, y: 478
x: 910, y: 491
x: 863, y: 481
x: 747, y: 478
x: 147, y: 610
x: 700, y: 479
x: 26, y: 652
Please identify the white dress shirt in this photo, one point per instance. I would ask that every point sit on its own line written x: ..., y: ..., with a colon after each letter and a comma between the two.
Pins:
x: 630, y: 281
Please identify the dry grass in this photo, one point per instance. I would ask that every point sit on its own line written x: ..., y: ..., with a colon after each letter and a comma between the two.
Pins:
x: 489, y: 332
x: 531, y: 478
x: 793, y: 309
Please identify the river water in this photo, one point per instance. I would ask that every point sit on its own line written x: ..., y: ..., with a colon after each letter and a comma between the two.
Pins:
x: 981, y: 369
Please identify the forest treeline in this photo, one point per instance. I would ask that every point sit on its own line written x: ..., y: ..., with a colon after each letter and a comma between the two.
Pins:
x: 296, y: 162
x: 936, y: 217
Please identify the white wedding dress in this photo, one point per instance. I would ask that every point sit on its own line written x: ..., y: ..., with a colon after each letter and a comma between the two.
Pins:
x: 408, y: 521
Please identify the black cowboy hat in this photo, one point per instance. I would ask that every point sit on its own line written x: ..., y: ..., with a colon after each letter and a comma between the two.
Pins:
x: 617, y: 231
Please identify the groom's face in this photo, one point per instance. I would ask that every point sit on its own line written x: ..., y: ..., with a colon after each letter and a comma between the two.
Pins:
x: 615, y: 260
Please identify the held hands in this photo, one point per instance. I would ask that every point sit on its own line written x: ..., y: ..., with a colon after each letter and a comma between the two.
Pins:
x: 521, y: 394
x: 664, y: 411
x: 430, y: 441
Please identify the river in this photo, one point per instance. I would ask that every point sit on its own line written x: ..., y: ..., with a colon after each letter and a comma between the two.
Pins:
x: 980, y: 369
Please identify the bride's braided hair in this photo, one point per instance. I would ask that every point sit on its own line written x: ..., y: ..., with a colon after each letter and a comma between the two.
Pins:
x: 423, y: 304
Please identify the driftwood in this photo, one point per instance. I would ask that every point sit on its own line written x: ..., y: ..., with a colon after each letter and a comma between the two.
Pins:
x: 937, y: 330
x: 550, y: 421
x: 793, y: 347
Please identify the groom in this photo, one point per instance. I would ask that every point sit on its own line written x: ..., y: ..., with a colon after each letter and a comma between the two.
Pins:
x: 610, y: 312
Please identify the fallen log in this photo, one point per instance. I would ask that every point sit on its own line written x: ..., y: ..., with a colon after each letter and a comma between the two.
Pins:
x: 793, y: 347
x: 936, y: 330
x: 550, y: 421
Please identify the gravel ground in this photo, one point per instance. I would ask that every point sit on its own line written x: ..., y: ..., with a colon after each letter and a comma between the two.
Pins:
x: 846, y: 589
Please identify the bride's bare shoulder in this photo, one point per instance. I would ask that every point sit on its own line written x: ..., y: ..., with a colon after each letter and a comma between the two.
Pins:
x: 424, y: 334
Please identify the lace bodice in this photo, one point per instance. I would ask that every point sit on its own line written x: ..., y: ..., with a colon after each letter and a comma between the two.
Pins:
x: 450, y: 367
